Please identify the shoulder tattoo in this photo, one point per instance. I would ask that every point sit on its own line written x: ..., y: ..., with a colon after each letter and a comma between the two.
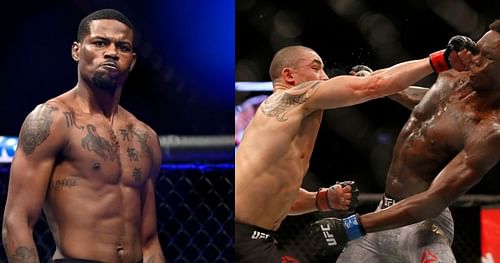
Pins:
x: 277, y: 105
x: 36, y: 128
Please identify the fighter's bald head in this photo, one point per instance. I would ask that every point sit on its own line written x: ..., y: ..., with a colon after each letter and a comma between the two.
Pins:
x: 286, y: 57
x: 495, y: 25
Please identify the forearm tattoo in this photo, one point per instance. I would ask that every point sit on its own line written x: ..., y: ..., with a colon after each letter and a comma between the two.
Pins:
x: 278, y: 104
x: 36, y: 129
x: 24, y: 255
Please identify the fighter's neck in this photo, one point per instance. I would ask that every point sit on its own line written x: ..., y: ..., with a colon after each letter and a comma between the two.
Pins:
x: 281, y: 87
x: 483, y: 100
x: 95, y: 100
x: 488, y: 99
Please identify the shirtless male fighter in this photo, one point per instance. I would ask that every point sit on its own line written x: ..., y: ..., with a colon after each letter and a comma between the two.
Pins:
x: 451, y: 140
x: 274, y: 154
x: 87, y: 162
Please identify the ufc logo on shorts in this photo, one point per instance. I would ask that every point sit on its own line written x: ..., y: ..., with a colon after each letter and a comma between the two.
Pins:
x: 388, y: 202
x: 329, y: 238
x: 259, y: 235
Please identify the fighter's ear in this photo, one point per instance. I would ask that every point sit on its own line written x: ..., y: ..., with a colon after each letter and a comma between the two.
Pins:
x: 75, y: 51
x: 287, y: 75
x: 133, y: 62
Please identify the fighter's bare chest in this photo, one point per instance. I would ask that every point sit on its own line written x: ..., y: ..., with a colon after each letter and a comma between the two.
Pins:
x: 112, y: 153
x: 444, y: 128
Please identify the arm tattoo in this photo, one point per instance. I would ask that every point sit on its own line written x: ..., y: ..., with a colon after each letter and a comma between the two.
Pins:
x: 24, y: 255
x: 36, y: 129
x: 95, y: 143
x: 277, y: 105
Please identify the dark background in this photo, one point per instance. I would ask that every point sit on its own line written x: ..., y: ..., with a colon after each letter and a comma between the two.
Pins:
x: 183, y: 80
x: 182, y: 84
x: 355, y: 143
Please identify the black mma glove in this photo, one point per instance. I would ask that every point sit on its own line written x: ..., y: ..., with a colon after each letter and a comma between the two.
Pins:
x: 360, y: 71
x: 354, y: 192
x: 332, y: 234
x: 323, y: 199
x: 440, y: 60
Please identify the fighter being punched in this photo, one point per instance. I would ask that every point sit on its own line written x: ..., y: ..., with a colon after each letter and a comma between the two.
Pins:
x: 451, y: 140
x: 274, y: 154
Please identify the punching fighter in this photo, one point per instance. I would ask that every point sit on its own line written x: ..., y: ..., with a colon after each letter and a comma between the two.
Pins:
x: 274, y: 154
x: 451, y: 140
x: 87, y: 161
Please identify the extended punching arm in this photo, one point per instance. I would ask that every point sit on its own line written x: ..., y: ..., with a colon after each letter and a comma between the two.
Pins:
x: 441, y: 61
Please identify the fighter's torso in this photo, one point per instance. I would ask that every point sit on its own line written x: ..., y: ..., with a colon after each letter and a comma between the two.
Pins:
x: 271, y: 162
x: 436, y: 131
x: 94, y: 195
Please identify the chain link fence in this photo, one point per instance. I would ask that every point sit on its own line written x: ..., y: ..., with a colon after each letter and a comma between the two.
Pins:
x: 194, y: 214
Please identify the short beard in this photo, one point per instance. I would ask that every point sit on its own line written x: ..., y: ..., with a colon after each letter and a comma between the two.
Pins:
x: 104, y: 82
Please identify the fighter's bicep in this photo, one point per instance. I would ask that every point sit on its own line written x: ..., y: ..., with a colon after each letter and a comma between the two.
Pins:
x: 467, y: 168
x: 34, y: 160
x: 28, y: 184
x: 484, y: 152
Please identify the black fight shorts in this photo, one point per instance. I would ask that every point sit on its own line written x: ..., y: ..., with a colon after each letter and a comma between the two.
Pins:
x: 75, y: 260
x: 254, y: 245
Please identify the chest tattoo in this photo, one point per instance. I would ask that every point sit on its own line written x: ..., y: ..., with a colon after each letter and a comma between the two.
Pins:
x: 124, y: 134
x: 93, y: 142
x: 70, y: 120
x: 137, y: 174
x: 141, y: 136
x: 132, y: 154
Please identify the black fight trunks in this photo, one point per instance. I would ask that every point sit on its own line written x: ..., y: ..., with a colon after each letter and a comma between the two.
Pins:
x: 75, y: 260
x: 255, y: 245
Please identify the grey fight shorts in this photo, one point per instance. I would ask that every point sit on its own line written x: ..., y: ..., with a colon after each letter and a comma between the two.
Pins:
x: 427, y: 241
